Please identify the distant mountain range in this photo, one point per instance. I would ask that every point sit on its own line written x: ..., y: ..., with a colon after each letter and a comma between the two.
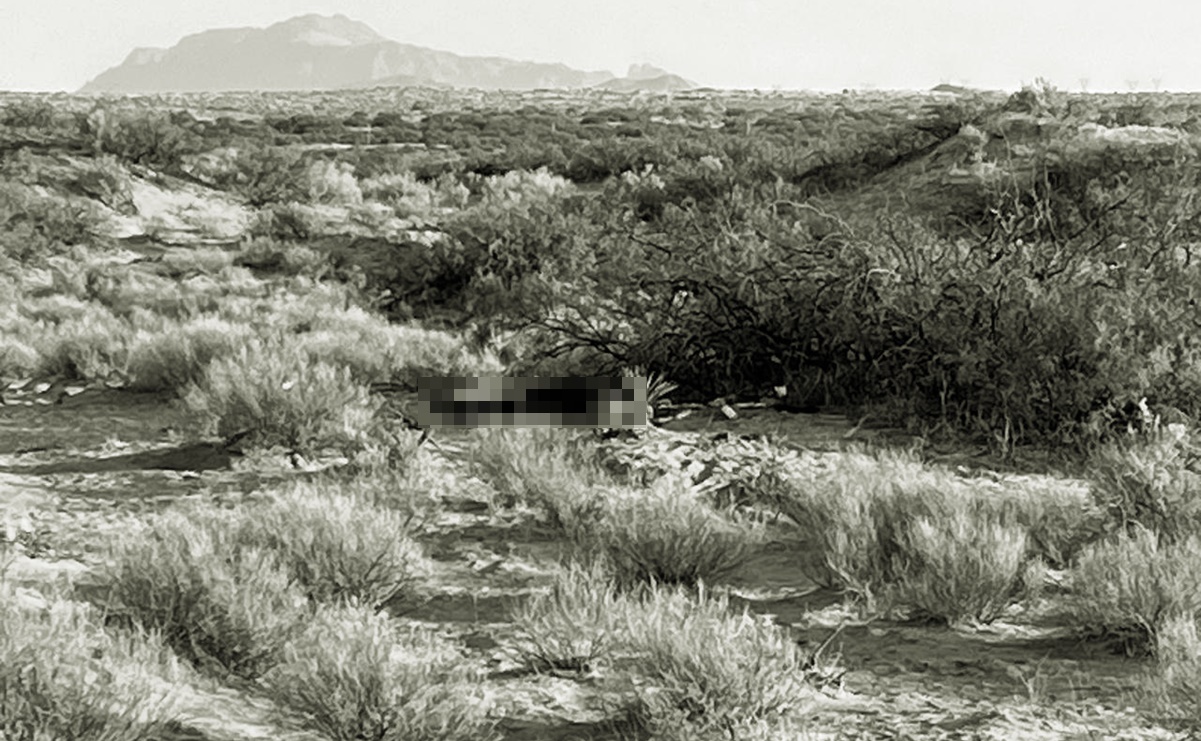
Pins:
x: 314, y: 52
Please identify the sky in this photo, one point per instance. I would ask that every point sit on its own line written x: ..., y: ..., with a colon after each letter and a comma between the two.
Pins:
x: 1094, y: 45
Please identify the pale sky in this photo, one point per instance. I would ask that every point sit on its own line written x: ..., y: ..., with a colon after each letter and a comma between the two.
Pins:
x: 791, y: 44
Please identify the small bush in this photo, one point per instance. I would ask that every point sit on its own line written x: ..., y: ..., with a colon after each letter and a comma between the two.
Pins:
x: 355, y: 676
x: 1174, y: 686
x: 92, y: 347
x: 18, y: 359
x: 205, y: 260
x: 1129, y: 586
x: 962, y: 567
x: 333, y: 182
x: 178, y: 356
x: 664, y: 534
x: 709, y: 673
x: 145, y: 136
x: 891, y: 521
x: 572, y: 626
x: 267, y: 254
x: 222, y: 608
x: 541, y: 468
x: 275, y: 393
x: 337, y: 547
x: 1150, y: 480
x: 62, y: 675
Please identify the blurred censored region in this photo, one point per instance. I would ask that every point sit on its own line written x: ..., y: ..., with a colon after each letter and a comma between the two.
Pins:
x: 495, y: 401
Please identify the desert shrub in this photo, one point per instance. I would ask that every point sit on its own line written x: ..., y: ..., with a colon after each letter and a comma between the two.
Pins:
x: 664, y: 534
x: 63, y: 675
x: 991, y: 330
x: 408, y: 196
x: 270, y: 255
x: 959, y: 568
x: 37, y: 225
x: 54, y: 308
x: 276, y: 394
x: 124, y: 289
x: 354, y: 675
x: 141, y: 135
x: 1127, y: 587
x: 709, y: 673
x: 1150, y: 480
x: 203, y: 260
x: 28, y: 114
x: 571, y: 627
x: 264, y: 174
x: 285, y: 221
x: 18, y: 358
x: 1174, y: 684
x: 337, y: 547
x: 543, y: 468
x: 178, y: 355
x: 952, y: 549
x: 379, y: 352
x: 333, y: 182
x: 221, y: 607
x: 92, y: 347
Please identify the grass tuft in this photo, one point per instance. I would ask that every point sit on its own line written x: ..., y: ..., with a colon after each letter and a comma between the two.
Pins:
x: 355, y: 675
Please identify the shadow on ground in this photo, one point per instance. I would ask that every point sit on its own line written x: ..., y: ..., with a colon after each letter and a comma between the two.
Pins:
x: 191, y: 457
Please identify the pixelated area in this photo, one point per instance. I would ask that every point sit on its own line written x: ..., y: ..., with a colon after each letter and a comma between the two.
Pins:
x: 495, y: 401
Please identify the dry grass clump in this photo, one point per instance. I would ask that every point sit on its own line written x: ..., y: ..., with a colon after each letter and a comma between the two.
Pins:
x: 377, y: 351
x: 684, y: 664
x: 18, y: 358
x: 196, y: 259
x: 698, y: 670
x: 224, y: 608
x: 571, y: 626
x: 91, y: 347
x: 274, y: 393
x: 961, y: 567
x: 544, y: 468
x: 178, y: 355
x: 1127, y: 587
x: 1173, y: 689
x: 64, y: 676
x: 938, y: 545
x: 354, y: 674
x: 1153, y: 480
x: 662, y: 534
x: 337, y: 547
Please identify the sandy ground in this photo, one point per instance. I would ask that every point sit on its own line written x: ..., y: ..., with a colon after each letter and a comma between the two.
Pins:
x: 84, y: 469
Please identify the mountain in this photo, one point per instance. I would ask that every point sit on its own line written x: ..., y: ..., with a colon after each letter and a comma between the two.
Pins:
x: 314, y: 52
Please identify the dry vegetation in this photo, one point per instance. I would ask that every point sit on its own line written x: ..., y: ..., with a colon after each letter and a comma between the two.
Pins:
x: 214, y: 310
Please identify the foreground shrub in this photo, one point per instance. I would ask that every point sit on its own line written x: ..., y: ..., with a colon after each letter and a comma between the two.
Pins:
x: 962, y: 567
x: 1174, y: 686
x: 708, y: 673
x: 223, y: 608
x: 664, y: 534
x: 544, y: 468
x: 354, y: 675
x: 62, y: 675
x: 337, y: 547
x: 573, y: 625
x: 1128, y: 587
x: 1150, y: 480
x: 945, y: 547
x: 277, y: 395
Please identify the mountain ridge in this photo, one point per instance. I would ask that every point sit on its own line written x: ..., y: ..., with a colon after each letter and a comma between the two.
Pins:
x: 315, y: 52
